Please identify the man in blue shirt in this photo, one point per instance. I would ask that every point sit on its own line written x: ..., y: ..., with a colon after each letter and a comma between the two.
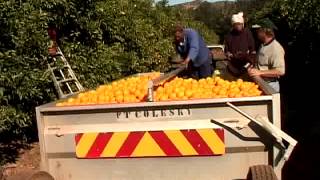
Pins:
x: 194, y: 52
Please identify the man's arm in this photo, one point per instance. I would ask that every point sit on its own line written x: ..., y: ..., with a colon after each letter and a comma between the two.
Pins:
x: 273, y: 73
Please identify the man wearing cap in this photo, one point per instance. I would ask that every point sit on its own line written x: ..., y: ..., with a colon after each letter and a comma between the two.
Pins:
x: 270, y: 58
x: 193, y: 51
x: 239, y: 44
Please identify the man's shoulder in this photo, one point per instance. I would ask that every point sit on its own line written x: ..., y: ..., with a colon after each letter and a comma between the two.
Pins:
x: 190, y: 31
x: 276, y: 45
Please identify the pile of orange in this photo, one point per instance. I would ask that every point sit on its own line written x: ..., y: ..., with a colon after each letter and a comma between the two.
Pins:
x: 134, y: 89
x: 184, y: 89
x: 130, y: 90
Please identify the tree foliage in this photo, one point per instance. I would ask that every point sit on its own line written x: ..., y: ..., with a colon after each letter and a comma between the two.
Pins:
x: 23, y: 84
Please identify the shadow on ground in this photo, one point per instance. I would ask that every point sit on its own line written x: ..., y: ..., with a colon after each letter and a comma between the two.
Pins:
x: 9, y: 152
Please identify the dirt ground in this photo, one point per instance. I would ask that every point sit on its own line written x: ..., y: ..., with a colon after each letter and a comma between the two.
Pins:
x: 28, y: 161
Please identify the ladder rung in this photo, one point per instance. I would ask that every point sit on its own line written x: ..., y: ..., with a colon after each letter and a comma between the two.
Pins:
x: 54, y: 68
x: 57, y: 54
x: 66, y: 80
x: 69, y: 94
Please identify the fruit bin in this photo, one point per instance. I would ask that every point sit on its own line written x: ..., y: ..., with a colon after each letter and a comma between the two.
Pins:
x: 190, y: 139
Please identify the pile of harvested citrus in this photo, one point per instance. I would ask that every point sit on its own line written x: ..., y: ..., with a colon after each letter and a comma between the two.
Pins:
x: 184, y: 89
x: 134, y: 89
x: 130, y: 90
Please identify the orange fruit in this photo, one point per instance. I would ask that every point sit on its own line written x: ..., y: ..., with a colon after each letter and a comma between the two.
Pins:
x: 217, y: 96
x: 189, y: 93
x: 160, y: 89
x: 126, y: 92
x: 71, y: 100
x: 118, y: 92
x: 172, y: 96
x: 222, y: 92
x: 214, y: 95
x: 94, y: 99
x: 176, y: 90
x: 101, y: 99
x: 231, y: 95
x: 60, y: 104
x: 202, y: 81
x: 114, y: 84
x: 107, y: 99
x: 119, y: 98
x: 206, y: 95
x: 113, y: 100
x: 132, y: 90
x: 126, y: 99
x: 164, y: 97
x: 135, y: 89
x: 180, y: 94
x: 240, y: 81
x: 185, y: 98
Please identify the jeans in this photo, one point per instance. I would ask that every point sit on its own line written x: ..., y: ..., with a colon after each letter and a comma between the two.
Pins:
x: 203, y: 71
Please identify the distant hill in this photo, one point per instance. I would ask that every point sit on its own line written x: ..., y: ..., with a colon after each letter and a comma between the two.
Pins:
x: 190, y: 5
x: 196, y: 3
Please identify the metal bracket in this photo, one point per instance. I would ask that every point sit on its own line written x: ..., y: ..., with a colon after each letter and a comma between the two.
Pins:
x: 277, y: 133
x: 232, y: 123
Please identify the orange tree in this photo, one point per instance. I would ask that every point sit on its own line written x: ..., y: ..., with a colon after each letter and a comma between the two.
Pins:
x: 103, y: 41
x: 23, y: 86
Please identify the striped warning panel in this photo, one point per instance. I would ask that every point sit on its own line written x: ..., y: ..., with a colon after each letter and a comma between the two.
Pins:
x: 172, y: 143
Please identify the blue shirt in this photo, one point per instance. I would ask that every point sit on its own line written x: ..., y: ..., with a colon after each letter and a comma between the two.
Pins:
x: 194, y: 47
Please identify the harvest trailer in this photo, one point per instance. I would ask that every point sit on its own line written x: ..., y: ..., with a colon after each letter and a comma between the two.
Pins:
x: 189, y: 139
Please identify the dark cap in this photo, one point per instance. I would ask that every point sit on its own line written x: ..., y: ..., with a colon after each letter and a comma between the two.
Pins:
x: 265, y: 23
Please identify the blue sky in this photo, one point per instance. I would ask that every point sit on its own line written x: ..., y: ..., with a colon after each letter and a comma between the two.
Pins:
x: 182, y: 1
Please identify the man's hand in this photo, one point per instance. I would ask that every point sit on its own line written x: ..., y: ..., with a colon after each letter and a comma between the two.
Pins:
x: 254, y: 72
x: 185, y: 62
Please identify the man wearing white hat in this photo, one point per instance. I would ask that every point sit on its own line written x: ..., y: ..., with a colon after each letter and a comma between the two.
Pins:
x: 239, y: 45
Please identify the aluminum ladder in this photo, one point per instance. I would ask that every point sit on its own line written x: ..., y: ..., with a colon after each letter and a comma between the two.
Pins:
x: 64, y: 79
